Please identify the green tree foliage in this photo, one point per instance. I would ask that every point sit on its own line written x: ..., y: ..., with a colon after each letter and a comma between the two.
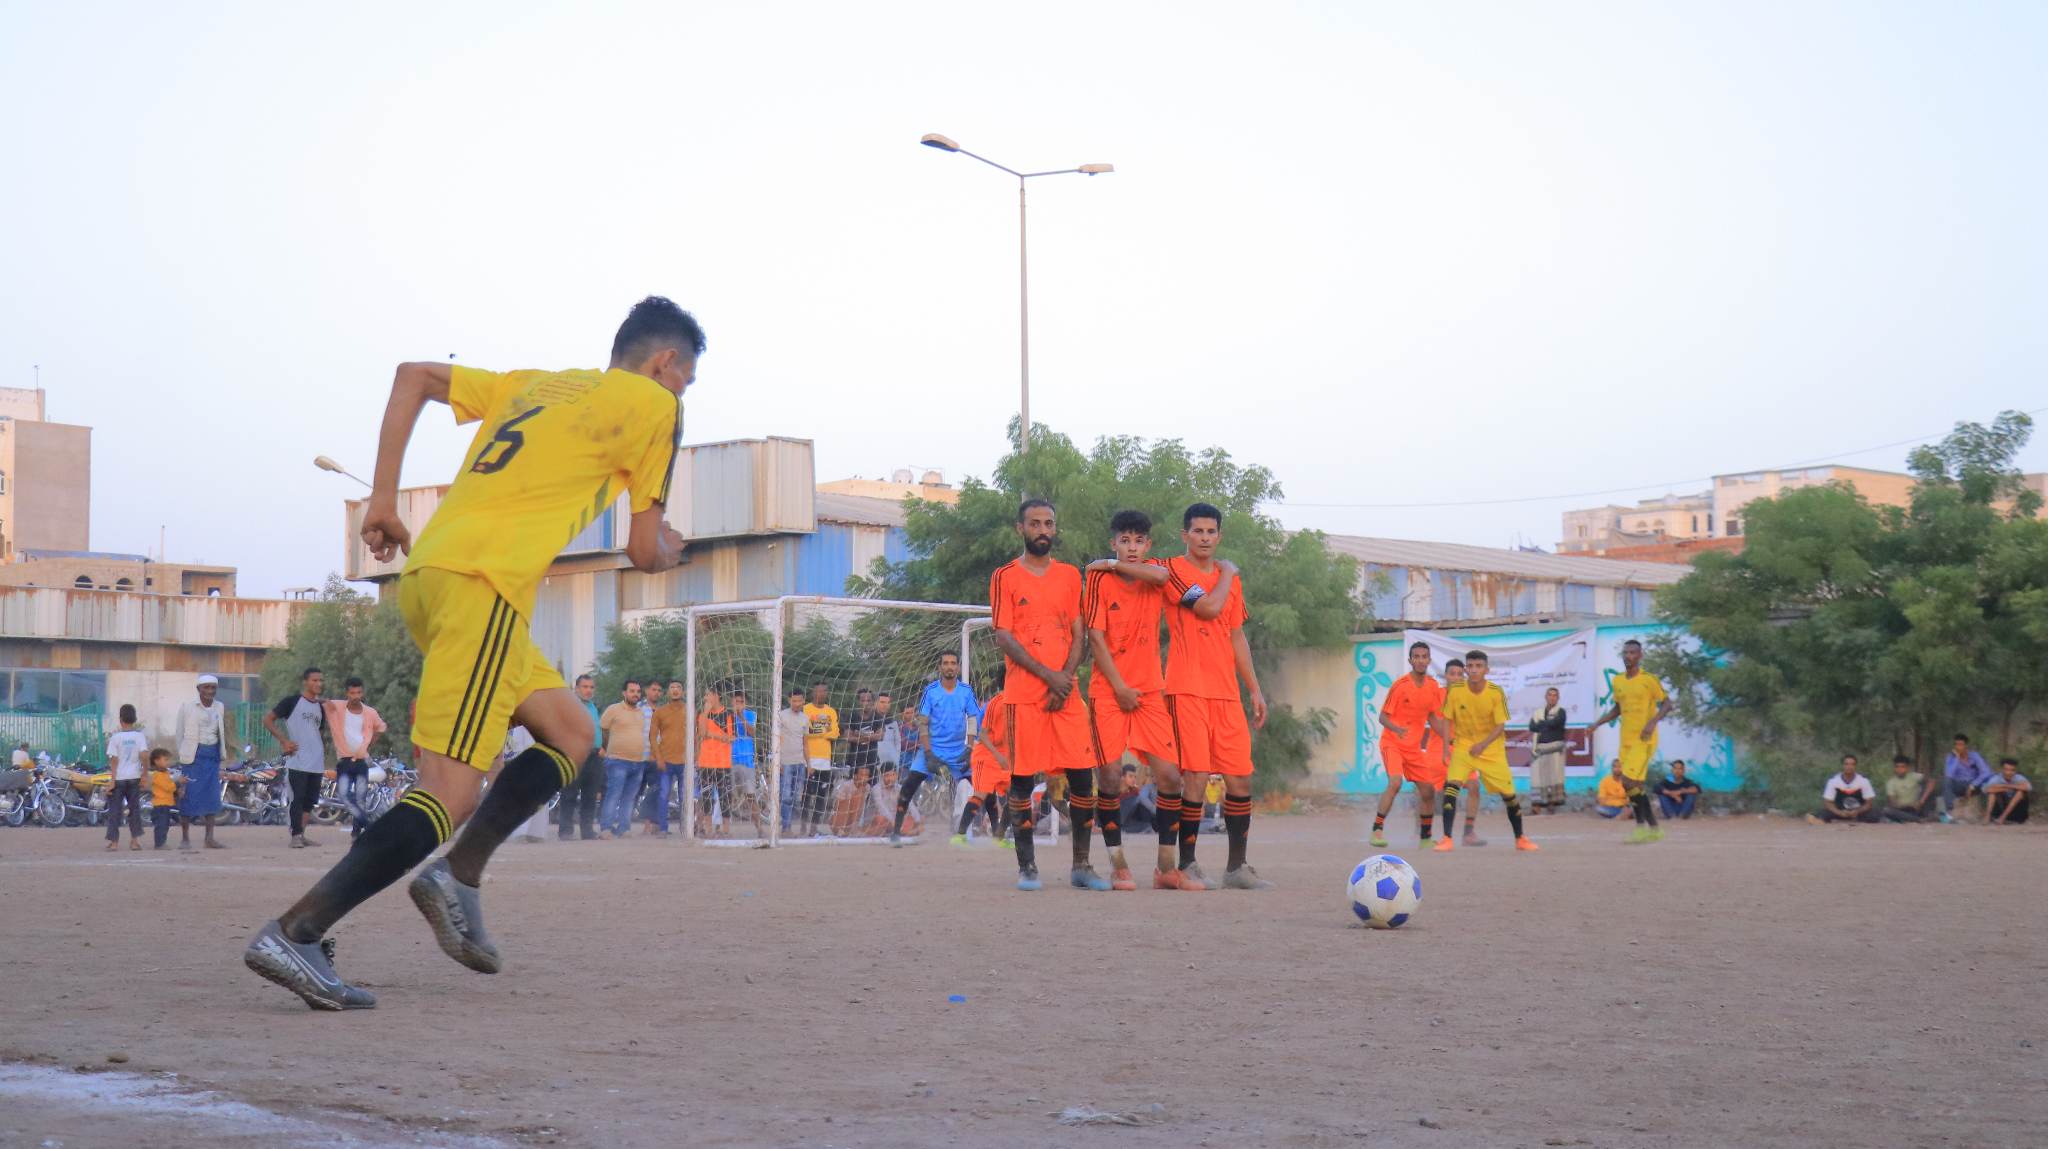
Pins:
x: 347, y: 633
x: 1848, y: 628
x: 1297, y: 592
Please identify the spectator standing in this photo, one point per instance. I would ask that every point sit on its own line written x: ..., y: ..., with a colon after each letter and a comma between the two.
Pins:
x: 579, y: 801
x: 714, y: 762
x: 1964, y: 774
x: 864, y: 739
x: 650, y: 697
x: 1908, y: 794
x: 744, y: 750
x: 163, y: 797
x: 1546, y: 760
x: 353, y: 724
x: 2006, y: 795
x: 625, y: 760
x: 202, y: 735
x: 23, y: 760
x: 821, y: 729
x: 1677, y: 795
x: 1847, y: 797
x: 671, y: 755
x: 1611, y: 798
x: 126, y: 750
x: 305, y: 752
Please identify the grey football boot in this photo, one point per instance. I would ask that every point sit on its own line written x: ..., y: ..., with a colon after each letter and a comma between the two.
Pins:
x: 307, y: 969
x: 456, y: 913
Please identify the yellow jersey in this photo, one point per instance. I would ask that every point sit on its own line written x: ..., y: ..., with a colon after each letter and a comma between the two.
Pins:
x: 1638, y: 699
x: 1474, y: 716
x: 821, y: 726
x: 553, y: 448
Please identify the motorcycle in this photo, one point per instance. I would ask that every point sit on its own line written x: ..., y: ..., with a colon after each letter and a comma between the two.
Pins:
x: 18, y: 795
x: 384, y: 783
x: 70, y: 791
x: 254, y: 792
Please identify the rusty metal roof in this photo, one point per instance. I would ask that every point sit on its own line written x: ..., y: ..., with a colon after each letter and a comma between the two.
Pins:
x: 1500, y: 560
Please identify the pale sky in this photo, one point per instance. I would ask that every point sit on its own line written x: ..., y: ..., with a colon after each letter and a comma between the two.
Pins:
x: 1399, y: 253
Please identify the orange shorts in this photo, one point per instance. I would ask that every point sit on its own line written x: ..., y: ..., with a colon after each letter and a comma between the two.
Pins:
x: 1212, y: 735
x: 988, y: 775
x: 1044, y: 740
x: 1412, y: 763
x: 1148, y: 730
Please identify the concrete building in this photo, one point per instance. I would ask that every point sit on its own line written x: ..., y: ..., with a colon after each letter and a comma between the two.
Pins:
x: 1433, y: 585
x: 904, y: 484
x: 45, y: 477
x: 104, y: 570
x: 757, y: 524
x: 1733, y: 492
x: 1668, y: 518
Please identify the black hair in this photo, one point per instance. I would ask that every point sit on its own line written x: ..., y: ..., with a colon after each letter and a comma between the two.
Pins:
x: 1852, y: 758
x: 946, y: 654
x: 2009, y: 760
x: 1901, y: 760
x: 1136, y: 522
x: 128, y: 713
x: 157, y: 753
x: 1418, y: 644
x: 308, y: 673
x: 1457, y: 662
x: 583, y: 678
x: 352, y: 683
x: 862, y: 690
x: 1634, y: 643
x: 1963, y: 738
x: 655, y: 324
x: 1200, y: 511
x: 1024, y: 508
x: 1478, y: 656
x: 736, y: 692
x: 1679, y: 762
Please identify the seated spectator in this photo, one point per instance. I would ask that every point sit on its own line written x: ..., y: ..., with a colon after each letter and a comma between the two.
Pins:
x: 1677, y: 795
x: 1848, y: 797
x: 1135, y: 805
x: 1908, y: 794
x: 2005, y: 796
x: 1963, y: 775
x: 1612, y: 800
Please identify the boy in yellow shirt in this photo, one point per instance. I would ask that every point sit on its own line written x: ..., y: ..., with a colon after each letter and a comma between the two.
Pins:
x: 1477, y: 714
x: 1612, y: 800
x: 163, y: 798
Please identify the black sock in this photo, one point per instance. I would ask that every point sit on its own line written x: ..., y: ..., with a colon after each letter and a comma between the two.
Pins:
x: 998, y: 814
x: 522, y: 787
x: 1108, y: 819
x: 1450, y: 805
x: 1428, y: 822
x: 1649, y: 810
x: 1022, y: 818
x: 1166, y: 819
x: 1081, y: 809
x: 1190, y: 829
x: 1237, y: 823
x: 386, y: 852
x: 1379, y: 823
x: 1513, y: 802
x: 968, y: 813
x: 1635, y: 808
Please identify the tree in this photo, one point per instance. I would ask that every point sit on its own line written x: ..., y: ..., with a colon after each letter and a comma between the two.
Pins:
x: 1297, y: 592
x: 347, y: 633
x: 1844, y: 627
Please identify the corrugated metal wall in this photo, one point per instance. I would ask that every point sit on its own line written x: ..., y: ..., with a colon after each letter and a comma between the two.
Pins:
x: 744, y: 487
x: 124, y: 616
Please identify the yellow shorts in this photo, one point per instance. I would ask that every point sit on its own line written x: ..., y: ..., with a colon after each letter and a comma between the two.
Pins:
x: 480, y: 663
x: 1635, y: 759
x: 1493, y: 773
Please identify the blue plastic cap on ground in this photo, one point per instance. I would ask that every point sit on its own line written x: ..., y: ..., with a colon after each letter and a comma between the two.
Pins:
x: 956, y: 998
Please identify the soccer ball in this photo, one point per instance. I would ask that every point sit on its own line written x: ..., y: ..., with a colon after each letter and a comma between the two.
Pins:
x: 1385, y: 891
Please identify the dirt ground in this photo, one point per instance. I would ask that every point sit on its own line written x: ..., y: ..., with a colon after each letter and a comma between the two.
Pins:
x: 1745, y: 982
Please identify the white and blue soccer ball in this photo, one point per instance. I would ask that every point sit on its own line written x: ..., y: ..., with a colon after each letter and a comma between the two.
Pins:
x: 1385, y: 891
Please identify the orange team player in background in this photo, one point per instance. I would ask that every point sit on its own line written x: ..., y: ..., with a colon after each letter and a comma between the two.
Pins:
x: 1413, y: 705
x: 714, y: 762
x: 988, y: 766
x: 1206, y: 658
x: 1035, y: 606
x: 1129, y: 691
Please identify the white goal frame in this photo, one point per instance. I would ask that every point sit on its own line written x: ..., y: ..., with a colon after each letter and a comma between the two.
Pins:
x: 778, y: 612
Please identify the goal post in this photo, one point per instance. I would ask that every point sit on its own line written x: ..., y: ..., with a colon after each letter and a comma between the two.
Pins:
x: 770, y: 647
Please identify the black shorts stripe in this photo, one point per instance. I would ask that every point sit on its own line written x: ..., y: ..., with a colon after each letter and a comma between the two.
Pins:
x: 476, y: 670
x: 1095, y: 739
x: 1173, y: 717
x: 492, y: 675
x: 675, y: 447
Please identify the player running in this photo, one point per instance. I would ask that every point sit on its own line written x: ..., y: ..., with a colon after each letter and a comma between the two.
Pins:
x: 1206, y: 658
x: 1454, y: 677
x: 1129, y: 693
x: 1641, y: 703
x: 988, y: 772
x: 1414, y: 706
x: 1035, y: 606
x: 1478, y: 715
x: 552, y: 451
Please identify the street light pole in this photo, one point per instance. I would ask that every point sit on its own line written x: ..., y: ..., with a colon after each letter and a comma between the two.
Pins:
x: 934, y: 140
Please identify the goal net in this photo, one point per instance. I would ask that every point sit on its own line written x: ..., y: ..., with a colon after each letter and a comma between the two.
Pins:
x: 794, y: 779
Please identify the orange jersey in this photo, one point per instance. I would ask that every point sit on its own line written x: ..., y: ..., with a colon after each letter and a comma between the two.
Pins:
x: 714, y: 749
x: 1039, y: 610
x: 1127, y: 614
x: 1200, y: 659
x: 1409, y: 706
x: 996, y: 724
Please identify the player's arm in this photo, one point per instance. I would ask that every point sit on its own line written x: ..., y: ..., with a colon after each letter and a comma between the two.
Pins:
x: 1241, y: 650
x: 1387, y: 722
x: 1613, y: 712
x: 1015, y: 652
x: 1152, y: 573
x: 1657, y: 715
x: 981, y: 736
x: 284, y: 741
x: 1077, y: 646
x: 1210, y: 605
x: 651, y: 544
x: 1480, y: 746
x: 411, y: 389
x: 1105, y: 665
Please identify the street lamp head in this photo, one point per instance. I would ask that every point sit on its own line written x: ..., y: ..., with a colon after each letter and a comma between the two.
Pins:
x: 327, y: 464
x: 1097, y: 169
x: 935, y: 140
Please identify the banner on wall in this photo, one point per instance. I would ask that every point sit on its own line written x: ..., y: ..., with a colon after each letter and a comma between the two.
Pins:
x: 1524, y: 672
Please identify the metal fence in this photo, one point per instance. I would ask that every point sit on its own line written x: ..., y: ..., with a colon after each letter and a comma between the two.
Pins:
x: 71, y: 736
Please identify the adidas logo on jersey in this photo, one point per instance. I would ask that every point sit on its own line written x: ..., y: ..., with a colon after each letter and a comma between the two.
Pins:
x: 1116, y: 606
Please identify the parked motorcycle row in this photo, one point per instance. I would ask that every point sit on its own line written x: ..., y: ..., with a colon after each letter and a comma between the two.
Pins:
x: 252, y: 792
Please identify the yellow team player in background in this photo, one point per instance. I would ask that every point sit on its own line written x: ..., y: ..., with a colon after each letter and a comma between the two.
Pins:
x: 1477, y: 716
x: 1641, y: 703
